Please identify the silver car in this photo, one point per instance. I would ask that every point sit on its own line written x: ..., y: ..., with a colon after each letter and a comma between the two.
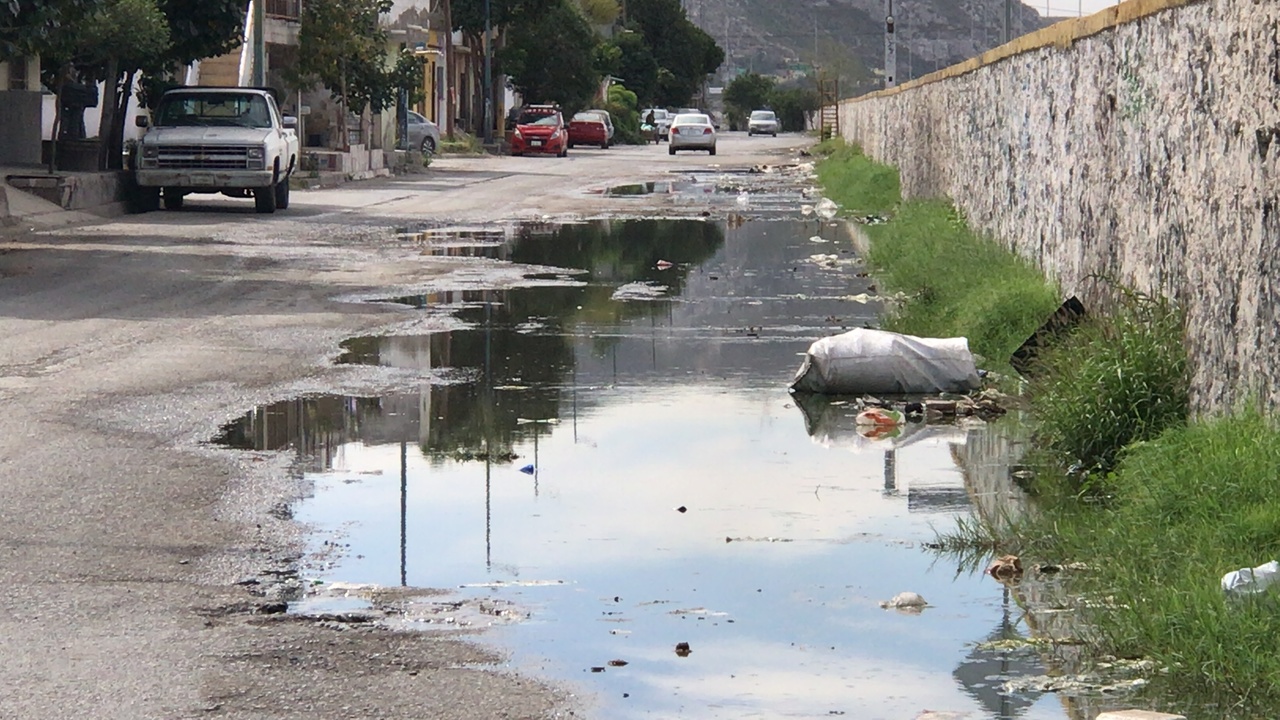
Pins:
x: 423, y: 134
x: 692, y: 131
x: 763, y: 122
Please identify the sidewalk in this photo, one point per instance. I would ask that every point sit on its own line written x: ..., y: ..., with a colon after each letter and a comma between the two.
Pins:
x: 31, y: 198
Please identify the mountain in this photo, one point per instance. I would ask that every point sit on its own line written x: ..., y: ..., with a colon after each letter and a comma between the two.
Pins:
x: 846, y: 37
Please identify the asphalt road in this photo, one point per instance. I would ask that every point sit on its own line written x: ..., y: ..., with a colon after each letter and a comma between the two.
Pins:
x: 137, y: 561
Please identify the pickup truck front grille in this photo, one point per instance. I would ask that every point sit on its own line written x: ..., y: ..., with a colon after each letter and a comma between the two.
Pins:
x: 204, y: 157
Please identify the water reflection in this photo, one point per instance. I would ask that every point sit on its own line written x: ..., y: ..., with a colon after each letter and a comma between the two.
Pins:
x: 624, y: 411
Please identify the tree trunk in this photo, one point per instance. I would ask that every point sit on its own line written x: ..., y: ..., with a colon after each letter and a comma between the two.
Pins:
x: 57, y: 123
x: 115, y: 160
x: 107, y: 119
x: 449, y: 104
x: 345, y: 140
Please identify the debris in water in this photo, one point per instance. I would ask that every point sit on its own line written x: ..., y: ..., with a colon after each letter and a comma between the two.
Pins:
x: 906, y: 601
x: 665, y: 265
x: 682, y: 649
x: 527, y: 469
x: 682, y: 509
x: 617, y: 663
x: 1005, y: 568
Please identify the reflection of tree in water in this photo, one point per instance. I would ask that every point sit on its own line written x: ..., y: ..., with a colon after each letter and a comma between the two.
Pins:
x: 521, y: 370
x: 521, y: 346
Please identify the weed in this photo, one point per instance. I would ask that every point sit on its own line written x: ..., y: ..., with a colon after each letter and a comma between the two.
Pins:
x: 1115, y: 380
x: 1184, y: 509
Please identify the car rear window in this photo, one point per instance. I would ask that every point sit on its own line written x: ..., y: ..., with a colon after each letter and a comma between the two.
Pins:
x: 538, y: 117
x: 691, y: 120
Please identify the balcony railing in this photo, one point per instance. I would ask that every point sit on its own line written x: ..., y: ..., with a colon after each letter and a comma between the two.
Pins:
x: 286, y: 9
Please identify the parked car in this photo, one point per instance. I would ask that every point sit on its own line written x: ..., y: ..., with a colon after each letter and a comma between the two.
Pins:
x: 540, y: 129
x: 588, y: 128
x: 608, y: 120
x: 661, y: 120
x: 229, y: 140
x: 423, y: 134
x: 692, y: 131
x: 763, y: 122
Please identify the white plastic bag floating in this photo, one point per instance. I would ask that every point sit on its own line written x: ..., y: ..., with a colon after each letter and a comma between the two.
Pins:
x: 864, y: 361
x: 1250, y: 581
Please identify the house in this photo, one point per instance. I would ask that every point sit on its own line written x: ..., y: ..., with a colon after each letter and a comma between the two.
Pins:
x: 20, y: 111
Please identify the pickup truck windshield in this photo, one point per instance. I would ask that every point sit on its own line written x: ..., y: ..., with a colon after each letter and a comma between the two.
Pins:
x: 213, y: 110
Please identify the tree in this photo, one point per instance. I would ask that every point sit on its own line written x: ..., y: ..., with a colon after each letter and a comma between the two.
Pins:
x: 200, y: 29
x: 549, y: 56
x: 110, y: 38
x: 32, y: 27
x: 794, y: 106
x: 744, y: 94
x: 683, y: 50
x: 634, y: 64
x: 343, y: 46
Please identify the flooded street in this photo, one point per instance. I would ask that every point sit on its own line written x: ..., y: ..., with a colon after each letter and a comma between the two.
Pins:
x: 606, y: 464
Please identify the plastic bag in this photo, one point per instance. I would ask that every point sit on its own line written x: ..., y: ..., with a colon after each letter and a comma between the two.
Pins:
x: 864, y: 361
x: 1251, y: 581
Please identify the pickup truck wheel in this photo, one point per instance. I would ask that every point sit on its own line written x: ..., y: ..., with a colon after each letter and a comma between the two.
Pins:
x: 264, y: 199
x: 145, y: 199
x: 282, y: 194
x: 172, y: 199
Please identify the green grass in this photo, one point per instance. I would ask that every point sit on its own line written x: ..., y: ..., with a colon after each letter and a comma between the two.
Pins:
x: 1116, y: 380
x: 855, y: 182
x: 957, y: 282
x: 461, y: 144
x: 1195, y: 503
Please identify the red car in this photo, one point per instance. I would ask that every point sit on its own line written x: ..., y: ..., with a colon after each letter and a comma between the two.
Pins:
x: 540, y: 129
x: 588, y: 128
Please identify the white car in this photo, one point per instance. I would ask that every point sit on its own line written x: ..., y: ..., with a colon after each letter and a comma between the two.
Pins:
x: 692, y: 131
x: 763, y: 122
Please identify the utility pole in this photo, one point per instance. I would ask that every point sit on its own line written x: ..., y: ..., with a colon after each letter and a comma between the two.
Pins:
x: 488, y: 77
x: 890, y: 47
x: 1008, y: 19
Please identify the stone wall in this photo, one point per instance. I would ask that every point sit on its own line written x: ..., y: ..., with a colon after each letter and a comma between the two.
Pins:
x: 1141, y: 144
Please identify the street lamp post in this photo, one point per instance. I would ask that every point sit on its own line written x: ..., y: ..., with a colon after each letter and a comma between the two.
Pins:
x: 890, y: 47
x: 488, y: 76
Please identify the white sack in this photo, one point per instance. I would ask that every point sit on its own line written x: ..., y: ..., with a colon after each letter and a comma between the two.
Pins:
x: 866, y: 361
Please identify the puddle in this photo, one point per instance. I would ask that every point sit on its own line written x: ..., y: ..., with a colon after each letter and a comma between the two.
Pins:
x: 758, y: 192
x: 617, y: 464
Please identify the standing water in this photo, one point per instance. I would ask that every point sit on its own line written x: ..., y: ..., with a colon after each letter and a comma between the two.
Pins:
x: 610, y: 453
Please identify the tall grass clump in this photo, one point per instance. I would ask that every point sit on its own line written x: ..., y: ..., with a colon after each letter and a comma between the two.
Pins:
x: 1118, y: 379
x: 1184, y: 509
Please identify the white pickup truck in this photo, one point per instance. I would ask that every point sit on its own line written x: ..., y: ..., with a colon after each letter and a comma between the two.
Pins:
x: 229, y: 140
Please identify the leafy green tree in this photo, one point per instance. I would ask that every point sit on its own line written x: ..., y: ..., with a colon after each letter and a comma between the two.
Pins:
x: 634, y: 65
x: 744, y: 94
x: 599, y: 12
x: 200, y: 29
x: 550, y: 56
x: 794, y: 106
x: 117, y: 36
x: 624, y: 108
x: 32, y: 27
x: 683, y: 50
x: 343, y: 46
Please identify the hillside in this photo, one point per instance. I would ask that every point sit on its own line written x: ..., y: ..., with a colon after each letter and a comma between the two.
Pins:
x: 847, y: 36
